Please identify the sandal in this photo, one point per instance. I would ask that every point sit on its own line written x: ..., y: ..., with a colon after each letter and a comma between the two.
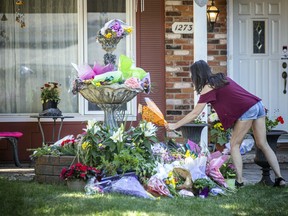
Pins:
x: 238, y: 185
x: 279, y: 182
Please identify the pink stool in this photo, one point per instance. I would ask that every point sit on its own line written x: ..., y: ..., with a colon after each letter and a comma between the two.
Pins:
x: 13, y: 137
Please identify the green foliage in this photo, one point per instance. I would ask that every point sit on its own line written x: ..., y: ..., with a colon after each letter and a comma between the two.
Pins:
x: 202, y: 183
x: 67, y: 147
x: 45, y: 150
x: 217, y: 133
x: 119, y: 150
x: 228, y: 170
x: 270, y: 124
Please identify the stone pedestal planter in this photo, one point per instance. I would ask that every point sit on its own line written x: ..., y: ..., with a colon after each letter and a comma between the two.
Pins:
x: 260, y: 159
x: 48, y: 168
x: 192, y: 132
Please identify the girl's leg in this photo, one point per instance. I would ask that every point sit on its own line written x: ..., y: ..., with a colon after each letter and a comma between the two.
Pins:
x: 259, y: 132
x: 240, y: 129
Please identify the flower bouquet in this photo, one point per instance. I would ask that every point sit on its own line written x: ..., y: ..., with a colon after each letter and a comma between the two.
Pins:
x: 111, y: 34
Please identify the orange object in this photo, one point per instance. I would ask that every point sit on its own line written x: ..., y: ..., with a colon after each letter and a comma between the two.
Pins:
x: 152, y: 113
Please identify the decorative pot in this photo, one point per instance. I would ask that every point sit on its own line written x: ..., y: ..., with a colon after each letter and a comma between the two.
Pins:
x: 193, y: 131
x: 50, y: 109
x: 76, y: 184
x: 49, y: 104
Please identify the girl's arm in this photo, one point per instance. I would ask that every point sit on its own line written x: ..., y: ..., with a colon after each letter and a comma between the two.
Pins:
x: 188, y: 118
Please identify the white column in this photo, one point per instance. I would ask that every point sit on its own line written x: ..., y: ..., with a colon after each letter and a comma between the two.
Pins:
x: 200, y: 52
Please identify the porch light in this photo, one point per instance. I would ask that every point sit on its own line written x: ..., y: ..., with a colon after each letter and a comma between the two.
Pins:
x: 212, y: 14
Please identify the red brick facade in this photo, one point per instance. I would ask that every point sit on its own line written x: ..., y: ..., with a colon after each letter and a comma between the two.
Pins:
x: 179, y: 55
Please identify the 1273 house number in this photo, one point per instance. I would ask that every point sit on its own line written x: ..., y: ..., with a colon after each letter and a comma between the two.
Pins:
x: 183, y: 27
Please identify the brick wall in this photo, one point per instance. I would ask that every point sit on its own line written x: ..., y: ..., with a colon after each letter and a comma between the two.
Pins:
x: 179, y: 56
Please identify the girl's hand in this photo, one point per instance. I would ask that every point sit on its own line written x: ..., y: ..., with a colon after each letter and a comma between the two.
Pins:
x: 171, y: 126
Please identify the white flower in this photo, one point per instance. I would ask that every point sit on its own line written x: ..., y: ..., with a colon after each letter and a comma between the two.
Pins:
x: 118, y: 135
x: 213, y: 117
x: 148, y: 128
x: 92, y: 125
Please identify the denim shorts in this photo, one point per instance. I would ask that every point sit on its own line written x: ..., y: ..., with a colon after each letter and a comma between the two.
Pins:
x: 255, y: 112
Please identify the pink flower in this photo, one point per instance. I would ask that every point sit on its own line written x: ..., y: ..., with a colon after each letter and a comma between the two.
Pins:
x: 132, y: 82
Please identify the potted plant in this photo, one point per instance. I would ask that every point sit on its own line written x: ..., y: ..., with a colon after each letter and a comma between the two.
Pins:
x: 53, y: 157
x: 50, y: 98
x: 78, y: 174
x: 217, y: 134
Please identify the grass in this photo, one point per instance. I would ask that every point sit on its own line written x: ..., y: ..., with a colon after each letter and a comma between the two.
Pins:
x: 31, y: 198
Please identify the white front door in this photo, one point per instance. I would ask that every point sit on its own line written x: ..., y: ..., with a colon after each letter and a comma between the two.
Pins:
x: 260, y: 40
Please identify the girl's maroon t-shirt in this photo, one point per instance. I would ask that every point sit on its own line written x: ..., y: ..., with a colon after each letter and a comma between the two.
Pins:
x: 230, y: 102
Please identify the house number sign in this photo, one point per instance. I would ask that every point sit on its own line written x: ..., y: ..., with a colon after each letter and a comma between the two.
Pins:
x: 183, y: 27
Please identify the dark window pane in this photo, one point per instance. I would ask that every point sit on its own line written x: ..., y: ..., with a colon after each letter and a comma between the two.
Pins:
x: 258, y: 37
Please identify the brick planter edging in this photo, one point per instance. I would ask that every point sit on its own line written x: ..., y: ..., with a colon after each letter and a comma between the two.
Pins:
x: 48, y: 168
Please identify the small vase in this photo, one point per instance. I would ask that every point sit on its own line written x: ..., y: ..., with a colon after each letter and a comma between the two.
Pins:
x: 76, y: 184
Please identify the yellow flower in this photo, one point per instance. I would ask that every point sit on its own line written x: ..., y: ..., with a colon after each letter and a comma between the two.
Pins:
x: 173, y: 182
x: 219, y: 126
x: 128, y: 30
x: 170, y: 174
x: 187, y: 154
x: 109, y: 35
x: 194, y: 156
x: 85, y: 145
x: 97, y: 84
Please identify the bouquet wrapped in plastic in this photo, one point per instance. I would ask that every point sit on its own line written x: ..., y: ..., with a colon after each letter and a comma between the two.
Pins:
x: 214, y: 162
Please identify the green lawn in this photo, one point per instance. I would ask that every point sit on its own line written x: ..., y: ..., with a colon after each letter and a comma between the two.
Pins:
x: 31, y: 198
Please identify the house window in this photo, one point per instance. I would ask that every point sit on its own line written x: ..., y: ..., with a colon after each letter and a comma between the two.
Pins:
x: 56, y: 34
